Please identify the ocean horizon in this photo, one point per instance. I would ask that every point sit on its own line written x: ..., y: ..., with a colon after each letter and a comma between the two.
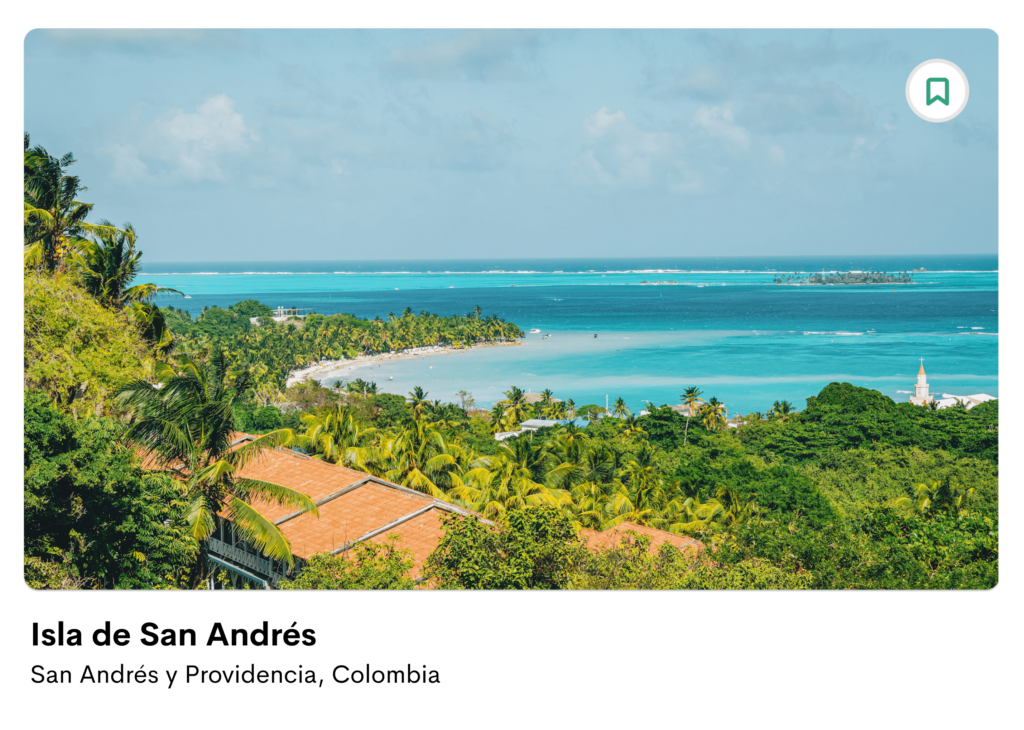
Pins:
x: 724, y: 326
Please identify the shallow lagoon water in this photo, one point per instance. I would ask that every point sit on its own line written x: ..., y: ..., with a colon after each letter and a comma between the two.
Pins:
x: 737, y: 336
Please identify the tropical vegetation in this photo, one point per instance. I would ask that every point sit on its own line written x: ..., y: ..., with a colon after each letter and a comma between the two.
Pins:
x: 133, y: 457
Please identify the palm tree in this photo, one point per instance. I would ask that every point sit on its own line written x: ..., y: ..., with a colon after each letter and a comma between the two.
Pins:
x: 515, y: 405
x: 633, y: 427
x: 335, y: 435
x: 556, y: 410
x: 713, y: 414
x: 498, y: 418
x: 109, y: 263
x: 691, y: 399
x: 418, y: 457
x: 781, y: 410
x: 725, y: 510
x: 944, y: 496
x: 418, y: 401
x: 506, y: 481
x: 620, y: 408
x: 54, y: 219
x: 362, y: 387
x: 185, y: 422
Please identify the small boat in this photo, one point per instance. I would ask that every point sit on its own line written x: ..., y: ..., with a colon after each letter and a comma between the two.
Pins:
x: 188, y: 296
x: 534, y: 331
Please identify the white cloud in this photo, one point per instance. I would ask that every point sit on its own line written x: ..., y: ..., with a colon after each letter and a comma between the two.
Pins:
x: 190, y: 146
x: 619, y: 153
x: 602, y: 121
x: 719, y: 123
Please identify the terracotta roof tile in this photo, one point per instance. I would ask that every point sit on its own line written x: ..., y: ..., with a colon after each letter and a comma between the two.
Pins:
x: 369, y: 506
x: 313, y: 477
x: 421, y: 535
x: 350, y: 517
x: 613, y: 536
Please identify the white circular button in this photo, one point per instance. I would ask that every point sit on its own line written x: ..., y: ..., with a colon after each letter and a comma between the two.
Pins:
x: 937, y: 90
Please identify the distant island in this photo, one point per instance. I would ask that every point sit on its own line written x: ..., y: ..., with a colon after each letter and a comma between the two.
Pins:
x: 849, y: 278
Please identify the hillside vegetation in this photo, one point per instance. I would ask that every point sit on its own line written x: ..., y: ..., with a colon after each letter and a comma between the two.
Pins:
x: 854, y: 492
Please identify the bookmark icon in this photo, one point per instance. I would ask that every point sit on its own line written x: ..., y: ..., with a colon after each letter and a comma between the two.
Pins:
x: 936, y: 89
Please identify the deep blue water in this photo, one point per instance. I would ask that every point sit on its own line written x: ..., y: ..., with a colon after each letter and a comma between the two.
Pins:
x: 728, y: 330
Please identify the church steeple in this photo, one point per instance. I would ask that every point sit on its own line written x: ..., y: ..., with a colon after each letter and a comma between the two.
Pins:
x: 921, y: 395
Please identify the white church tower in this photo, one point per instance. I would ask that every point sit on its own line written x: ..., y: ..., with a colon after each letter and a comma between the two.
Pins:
x: 921, y: 396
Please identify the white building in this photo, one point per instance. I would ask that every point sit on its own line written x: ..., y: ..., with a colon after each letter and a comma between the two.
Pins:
x: 921, y: 396
x: 948, y: 401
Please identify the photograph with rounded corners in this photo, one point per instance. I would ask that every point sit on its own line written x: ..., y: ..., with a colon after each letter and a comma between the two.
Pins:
x: 511, y: 309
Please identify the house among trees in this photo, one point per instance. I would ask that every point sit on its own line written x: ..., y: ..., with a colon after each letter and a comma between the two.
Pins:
x: 356, y: 507
x: 353, y: 507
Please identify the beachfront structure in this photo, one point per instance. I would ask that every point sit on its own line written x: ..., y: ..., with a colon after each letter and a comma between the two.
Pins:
x: 532, y: 398
x: 969, y: 401
x: 283, y: 314
x: 691, y: 410
x: 533, y: 424
x: 921, y: 396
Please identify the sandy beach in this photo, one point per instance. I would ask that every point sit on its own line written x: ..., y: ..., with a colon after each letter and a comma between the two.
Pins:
x: 331, y: 370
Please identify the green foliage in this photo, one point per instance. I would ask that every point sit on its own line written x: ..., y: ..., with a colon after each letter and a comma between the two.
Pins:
x: 88, y: 502
x: 251, y: 308
x: 669, y: 429
x: 71, y: 340
x: 187, y: 419
x: 632, y: 565
x: 55, y: 572
x: 390, y: 410
x: 367, y: 566
x: 844, y: 417
x: 859, y: 479
x: 266, y: 418
x: 271, y: 350
x: 851, y: 399
x: 54, y: 218
x: 888, y: 549
x: 533, y: 548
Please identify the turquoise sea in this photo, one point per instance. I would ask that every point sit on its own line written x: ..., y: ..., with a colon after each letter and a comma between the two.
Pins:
x: 724, y: 327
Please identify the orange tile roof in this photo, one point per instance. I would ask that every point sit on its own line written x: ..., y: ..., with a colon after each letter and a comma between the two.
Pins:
x: 353, y: 506
x: 421, y: 535
x: 315, y: 478
x: 350, y: 517
x: 613, y: 537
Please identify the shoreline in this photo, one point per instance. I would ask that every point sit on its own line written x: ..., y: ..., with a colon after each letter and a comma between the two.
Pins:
x: 339, y: 367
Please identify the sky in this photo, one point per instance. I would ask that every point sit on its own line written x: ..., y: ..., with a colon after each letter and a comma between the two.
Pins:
x: 346, y: 145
